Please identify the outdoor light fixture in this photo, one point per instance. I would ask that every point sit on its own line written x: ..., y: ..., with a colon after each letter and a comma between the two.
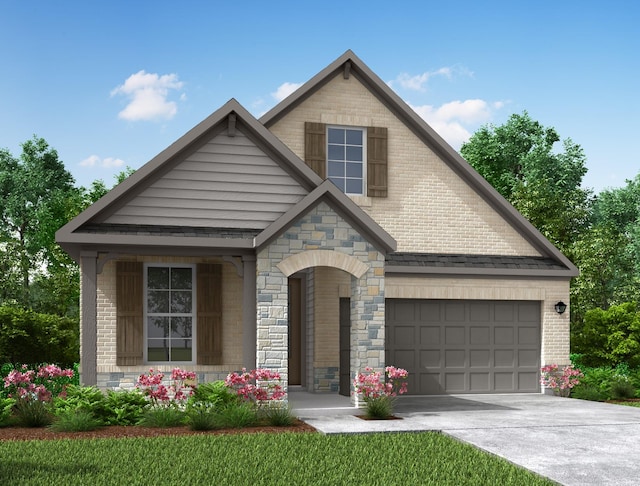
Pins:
x: 560, y: 307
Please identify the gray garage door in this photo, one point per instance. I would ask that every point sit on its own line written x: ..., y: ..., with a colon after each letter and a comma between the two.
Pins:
x: 455, y: 346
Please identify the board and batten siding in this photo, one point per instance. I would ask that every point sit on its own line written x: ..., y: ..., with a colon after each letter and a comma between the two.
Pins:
x: 227, y: 183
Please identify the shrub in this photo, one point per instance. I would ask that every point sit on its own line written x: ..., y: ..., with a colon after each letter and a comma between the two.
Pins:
x: 152, y: 386
x: 125, y: 407
x: 31, y: 337
x: 215, y: 393
x: 81, y: 398
x: 6, y: 410
x: 257, y: 386
x: 279, y: 415
x: 162, y: 416
x: 379, y: 393
x: 589, y: 392
x: 32, y: 413
x: 561, y: 382
x: 238, y: 415
x: 75, y: 421
x: 622, y: 388
x: 202, y: 416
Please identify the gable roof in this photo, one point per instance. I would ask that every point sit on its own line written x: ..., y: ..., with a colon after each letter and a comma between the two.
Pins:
x: 83, y: 228
x: 343, y: 205
x: 348, y: 64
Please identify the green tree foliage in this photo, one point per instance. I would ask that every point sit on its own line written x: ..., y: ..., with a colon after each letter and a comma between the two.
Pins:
x: 38, y: 197
x: 29, y: 337
x: 518, y: 159
x: 610, y: 337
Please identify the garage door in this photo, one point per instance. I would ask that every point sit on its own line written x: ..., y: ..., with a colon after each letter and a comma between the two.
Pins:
x: 455, y: 346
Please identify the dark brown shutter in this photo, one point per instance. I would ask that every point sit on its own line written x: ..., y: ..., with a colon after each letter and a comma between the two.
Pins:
x: 129, y: 319
x: 209, y: 331
x: 315, y: 147
x: 377, y: 162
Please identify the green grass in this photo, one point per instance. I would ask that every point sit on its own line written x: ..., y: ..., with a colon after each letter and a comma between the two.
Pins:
x: 259, y: 459
x: 626, y: 404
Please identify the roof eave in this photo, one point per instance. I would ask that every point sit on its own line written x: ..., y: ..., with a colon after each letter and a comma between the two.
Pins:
x: 400, y: 270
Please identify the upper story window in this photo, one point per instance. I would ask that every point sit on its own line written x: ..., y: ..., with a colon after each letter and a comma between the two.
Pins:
x: 346, y: 159
x: 170, y: 315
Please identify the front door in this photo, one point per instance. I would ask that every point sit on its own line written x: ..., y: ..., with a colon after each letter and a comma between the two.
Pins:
x: 345, y: 347
x: 295, y: 331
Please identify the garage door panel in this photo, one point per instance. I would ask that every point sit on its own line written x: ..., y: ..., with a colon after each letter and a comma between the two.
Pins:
x: 454, y: 335
x: 504, y: 358
x: 479, y: 382
x: 528, y: 335
x: 454, y: 382
x: 430, y: 335
x: 429, y: 358
x: 503, y: 335
x: 455, y: 358
x: 465, y: 346
x: 479, y: 358
x: 479, y: 335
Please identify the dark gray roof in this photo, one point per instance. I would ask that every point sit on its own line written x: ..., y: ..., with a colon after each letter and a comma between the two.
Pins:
x: 473, y: 264
x: 152, y: 230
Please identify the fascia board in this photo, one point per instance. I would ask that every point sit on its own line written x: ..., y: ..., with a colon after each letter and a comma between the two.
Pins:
x: 398, y: 270
x: 156, y: 241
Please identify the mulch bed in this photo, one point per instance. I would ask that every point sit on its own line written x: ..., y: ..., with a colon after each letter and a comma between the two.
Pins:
x: 117, y: 431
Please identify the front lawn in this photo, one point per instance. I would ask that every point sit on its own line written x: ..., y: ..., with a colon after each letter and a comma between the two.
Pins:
x: 259, y: 459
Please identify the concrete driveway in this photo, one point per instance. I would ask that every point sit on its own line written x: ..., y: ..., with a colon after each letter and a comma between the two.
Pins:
x: 573, y: 442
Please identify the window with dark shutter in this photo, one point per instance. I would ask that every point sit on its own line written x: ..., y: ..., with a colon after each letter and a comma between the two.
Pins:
x: 209, y: 313
x: 315, y: 147
x: 129, y: 317
x: 377, y: 162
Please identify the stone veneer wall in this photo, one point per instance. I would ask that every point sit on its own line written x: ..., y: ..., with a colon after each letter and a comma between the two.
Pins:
x: 320, y: 229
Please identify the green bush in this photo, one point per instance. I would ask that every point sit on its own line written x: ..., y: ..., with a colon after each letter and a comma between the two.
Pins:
x: 75, y: 421
x: 29, y: 337
x: 32, y: 413
x: 278, y: 415
x: 6, y: 410
x: 621, y: 388
x: 202, y: 416
x: 124, y: 407
x: 588, y: 392
x: 162, y: 416
x: 238, y: 415
x: 215, y: 393
x: 81, y: 398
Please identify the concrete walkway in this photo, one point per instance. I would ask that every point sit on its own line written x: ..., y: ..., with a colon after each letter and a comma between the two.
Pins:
x: 573, y: 442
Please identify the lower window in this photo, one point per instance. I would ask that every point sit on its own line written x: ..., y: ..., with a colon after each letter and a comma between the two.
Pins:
x: 169, y: 313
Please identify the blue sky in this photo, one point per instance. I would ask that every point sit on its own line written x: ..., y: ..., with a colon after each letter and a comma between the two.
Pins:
x: 111, y: 84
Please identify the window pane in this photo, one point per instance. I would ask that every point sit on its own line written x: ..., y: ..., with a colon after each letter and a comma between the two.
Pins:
x: 157, y: 301
x: 158, y: 350
x: 336, y: 152
x: 354, y: 154
x: 354, y: 186
x: 181, y: 302
x: 354, y: 137
x: 335, y: 135
x: 336, y: 169
x: 354, y: 170
x: 157, y: 278
x: 181, y: 350
x: 158, y: 327
x: 338, y: 182
x: 181, y: 278
x: 181, y: 327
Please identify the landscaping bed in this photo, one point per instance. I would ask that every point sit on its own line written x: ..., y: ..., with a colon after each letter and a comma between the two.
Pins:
x: 120, y: 431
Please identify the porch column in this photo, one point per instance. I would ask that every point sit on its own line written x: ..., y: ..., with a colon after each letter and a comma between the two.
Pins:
x: 89, y: 319
x: 368, y: 320
x: 249, y: 312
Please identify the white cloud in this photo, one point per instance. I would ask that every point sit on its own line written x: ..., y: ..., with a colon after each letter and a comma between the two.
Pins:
x: 148, y: 94
x: 456, y: 120
x: 96, y: 161
x: 285, y: 90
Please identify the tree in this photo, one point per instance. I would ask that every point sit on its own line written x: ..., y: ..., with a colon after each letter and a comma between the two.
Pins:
x: 36, y: 191
x: 518, y: 160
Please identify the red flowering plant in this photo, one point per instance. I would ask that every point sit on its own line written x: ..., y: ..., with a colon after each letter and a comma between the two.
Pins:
x: 257, y: 386
x: 176, y: 391
x: 561, y: 382
x: 379, y: 390
x: 43, y: 384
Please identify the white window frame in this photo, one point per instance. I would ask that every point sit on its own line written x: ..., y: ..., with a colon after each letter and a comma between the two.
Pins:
x: 192, y: 314
x: 364, y: 156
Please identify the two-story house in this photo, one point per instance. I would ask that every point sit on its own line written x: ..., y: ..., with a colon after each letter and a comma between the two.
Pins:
x: 338, y: 231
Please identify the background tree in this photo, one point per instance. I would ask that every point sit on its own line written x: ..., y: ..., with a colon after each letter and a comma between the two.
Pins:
x: 519, y: 160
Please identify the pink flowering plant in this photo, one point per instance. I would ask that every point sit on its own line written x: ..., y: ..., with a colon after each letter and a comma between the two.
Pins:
x: 175, y: 392
x: 379, y: 390
x: 259, y: 386
x: 560, y: 381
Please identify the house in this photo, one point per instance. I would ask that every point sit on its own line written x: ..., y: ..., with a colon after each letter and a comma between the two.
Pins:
x: 338, y: 231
